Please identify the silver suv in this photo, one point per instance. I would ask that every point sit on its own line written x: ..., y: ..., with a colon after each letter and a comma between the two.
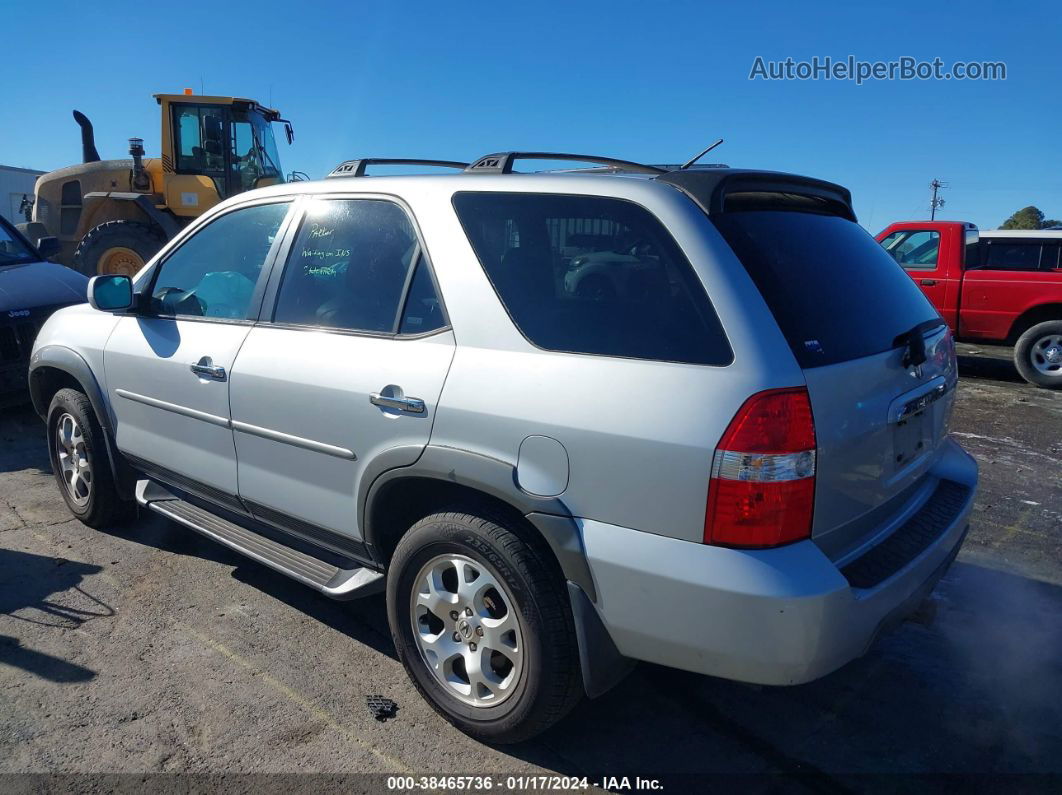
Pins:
x: 732, y: 457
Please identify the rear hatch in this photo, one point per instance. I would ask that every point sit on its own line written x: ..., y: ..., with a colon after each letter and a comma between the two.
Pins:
x: 877, y: 358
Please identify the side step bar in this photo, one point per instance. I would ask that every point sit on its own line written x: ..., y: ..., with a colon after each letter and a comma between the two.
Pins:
x: 324, y: 577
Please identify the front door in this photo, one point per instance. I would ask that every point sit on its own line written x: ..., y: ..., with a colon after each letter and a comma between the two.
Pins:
x: 918, y: 252
x: 345, y: 371
x: 167, y: 367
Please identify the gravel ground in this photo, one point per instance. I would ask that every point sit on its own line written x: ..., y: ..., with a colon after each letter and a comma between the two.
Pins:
x: 149, y: 649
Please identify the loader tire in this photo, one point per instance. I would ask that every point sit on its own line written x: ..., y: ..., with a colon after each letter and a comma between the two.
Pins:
x: 118, y: 247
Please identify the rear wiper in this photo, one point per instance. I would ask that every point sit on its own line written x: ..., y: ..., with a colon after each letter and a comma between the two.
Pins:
x: 914, y: 341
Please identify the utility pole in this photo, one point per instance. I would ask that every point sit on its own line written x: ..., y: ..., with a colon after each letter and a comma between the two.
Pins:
x: 936, y: 185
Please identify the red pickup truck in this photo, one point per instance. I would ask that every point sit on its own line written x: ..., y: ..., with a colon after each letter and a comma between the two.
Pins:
x: 994, y: 286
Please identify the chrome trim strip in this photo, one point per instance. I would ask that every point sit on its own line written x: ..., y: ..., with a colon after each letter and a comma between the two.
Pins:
x: 918, y: 399
x: 195, y: 414
x: 296, y: 441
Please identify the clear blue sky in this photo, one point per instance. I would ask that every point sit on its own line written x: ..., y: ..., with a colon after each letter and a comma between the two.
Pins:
x: 646, y: 81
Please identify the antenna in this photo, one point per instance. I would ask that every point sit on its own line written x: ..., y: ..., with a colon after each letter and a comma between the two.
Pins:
x: 689, y: 163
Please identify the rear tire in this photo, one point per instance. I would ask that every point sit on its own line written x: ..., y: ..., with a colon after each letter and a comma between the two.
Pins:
x: 79, y: 462
x: 1038, y: 355
x: 117, y: 247
x: 511, y: 609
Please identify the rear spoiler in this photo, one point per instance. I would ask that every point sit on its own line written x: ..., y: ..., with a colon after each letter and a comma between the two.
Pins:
x: 729, y: 191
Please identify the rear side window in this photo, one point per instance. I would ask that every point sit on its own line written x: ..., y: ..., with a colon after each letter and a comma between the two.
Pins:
x: 837, y: 295
x: 590, y: 274
x: 1049, y: 256
x: 1009, y: 255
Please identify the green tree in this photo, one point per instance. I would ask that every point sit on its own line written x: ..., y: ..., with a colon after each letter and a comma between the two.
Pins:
x: 1029, y: 218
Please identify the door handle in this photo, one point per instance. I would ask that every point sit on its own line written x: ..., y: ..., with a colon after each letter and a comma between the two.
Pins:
x: 411, y: 404
x: 206, y: 368
x: 928, y: 282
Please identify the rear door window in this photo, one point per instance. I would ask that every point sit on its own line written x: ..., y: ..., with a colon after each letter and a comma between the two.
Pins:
x: 591, y: 274
x: 350, y: 267
x: 836, y: 293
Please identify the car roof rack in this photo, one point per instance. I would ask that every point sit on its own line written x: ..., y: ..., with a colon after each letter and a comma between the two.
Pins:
x: 502, y: 162
x: 356, y: 168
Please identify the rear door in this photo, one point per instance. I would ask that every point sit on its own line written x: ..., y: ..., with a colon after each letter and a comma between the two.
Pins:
x: 343, y: 371
x: 167, y: 367
x: 851, y: 317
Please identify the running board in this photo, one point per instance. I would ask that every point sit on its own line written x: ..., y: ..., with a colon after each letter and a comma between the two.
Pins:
x: 321, y: 576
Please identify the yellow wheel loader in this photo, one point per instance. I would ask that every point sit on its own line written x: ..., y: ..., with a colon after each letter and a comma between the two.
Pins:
x: 111, y: 216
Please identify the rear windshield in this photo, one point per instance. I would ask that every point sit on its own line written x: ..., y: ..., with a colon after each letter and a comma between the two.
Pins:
x: 836, y: 294
x: 591, y: 274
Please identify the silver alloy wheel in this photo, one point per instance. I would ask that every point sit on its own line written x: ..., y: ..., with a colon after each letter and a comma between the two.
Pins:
x: 1046, y: 355
x: 467, y: 630
x: 73, y: 459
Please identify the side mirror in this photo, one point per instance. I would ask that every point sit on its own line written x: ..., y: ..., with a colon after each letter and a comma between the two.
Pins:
x: 111, y: 293
x: 48, y: 247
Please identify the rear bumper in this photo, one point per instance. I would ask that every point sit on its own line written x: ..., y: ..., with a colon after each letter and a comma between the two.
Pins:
x: 777, y: 617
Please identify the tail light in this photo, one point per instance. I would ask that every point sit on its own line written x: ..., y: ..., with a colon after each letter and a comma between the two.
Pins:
x: 762, y: 489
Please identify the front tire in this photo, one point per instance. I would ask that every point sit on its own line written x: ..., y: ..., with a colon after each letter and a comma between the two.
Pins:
x: 1038, y: 355
x: 483, y: 627
x: 79, y: 461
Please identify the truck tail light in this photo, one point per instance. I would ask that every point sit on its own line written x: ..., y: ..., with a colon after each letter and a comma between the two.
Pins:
x: 762, y: 489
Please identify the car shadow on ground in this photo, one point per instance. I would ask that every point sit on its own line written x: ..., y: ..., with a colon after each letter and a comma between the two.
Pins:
x: 22, y: 441
x: 975, y: 691
x: 995, y: 368
x: 45, y: 591
x: 363, y: 620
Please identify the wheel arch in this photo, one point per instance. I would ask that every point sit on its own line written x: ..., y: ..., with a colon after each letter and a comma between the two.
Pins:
x: 55, y: 367
x: 395, y: 493
x: 443, y: 478
x: 1030, y: 317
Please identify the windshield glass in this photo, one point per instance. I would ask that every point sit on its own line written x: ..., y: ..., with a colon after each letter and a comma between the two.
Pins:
x: 254, y: 154
x: 13, y: 250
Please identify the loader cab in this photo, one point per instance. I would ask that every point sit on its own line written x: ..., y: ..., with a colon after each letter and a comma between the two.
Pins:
x: 214, y: 148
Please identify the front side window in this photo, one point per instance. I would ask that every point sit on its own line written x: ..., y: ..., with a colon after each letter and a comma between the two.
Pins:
x: 1012, y: 255
x: 914, y: 249
x: 214, y: 272
x: 349, y: 268
x: 591, y: 274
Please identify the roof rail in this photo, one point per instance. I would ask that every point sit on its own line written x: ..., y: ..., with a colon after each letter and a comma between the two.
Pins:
x: 356, y: 168
x: 502, y: 162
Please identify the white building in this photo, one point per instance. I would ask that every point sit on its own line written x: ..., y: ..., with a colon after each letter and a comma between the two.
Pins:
x: 14, y: 184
